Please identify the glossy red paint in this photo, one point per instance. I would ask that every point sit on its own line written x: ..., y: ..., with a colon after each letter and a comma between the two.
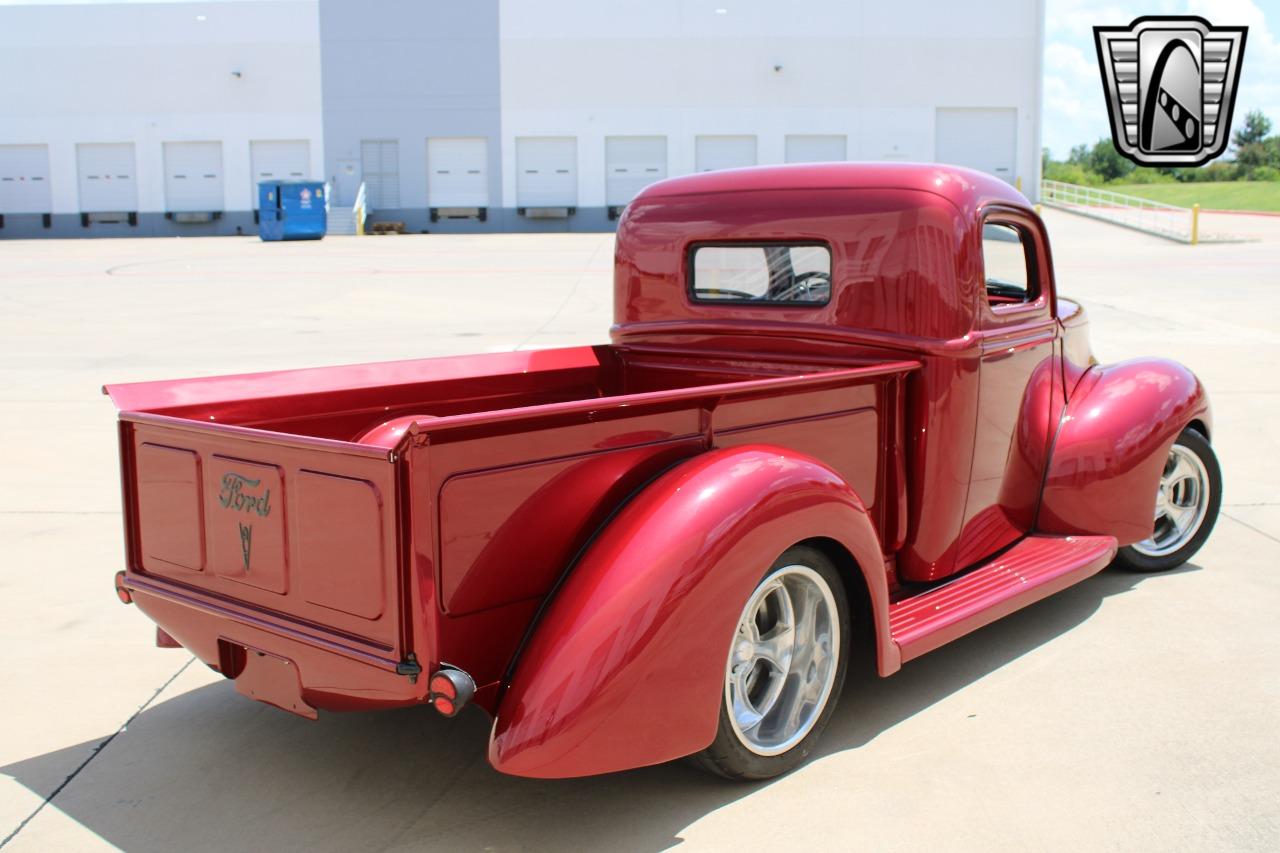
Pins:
x: 907, y: 251
x: 1035, y: 568
x: 603, y: 687
x: 576, y: 529
x: 1112, y: 445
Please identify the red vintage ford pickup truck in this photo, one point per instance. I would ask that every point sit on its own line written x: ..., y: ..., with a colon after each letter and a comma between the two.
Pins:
x: 843, y: 404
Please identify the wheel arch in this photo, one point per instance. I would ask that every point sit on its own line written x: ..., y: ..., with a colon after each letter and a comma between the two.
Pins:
x: 626, y: 668
x: 862, y: 608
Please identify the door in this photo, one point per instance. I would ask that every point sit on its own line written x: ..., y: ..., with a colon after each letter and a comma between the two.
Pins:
x: 346, y: 183
x: 278, y: 160
x: 107, y: 178
x: 24, y: 179
x: 193, y: 177
x: 1017, y: 389
x: 547, y: 171
x: 724, y: 152
x: 632, y: 163
x: 982, y: 139
x: 816, y: 148
x: 380, y: 165
x: 457, y: 171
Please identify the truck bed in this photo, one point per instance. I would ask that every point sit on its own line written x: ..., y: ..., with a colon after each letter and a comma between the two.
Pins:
x: 257, y: 522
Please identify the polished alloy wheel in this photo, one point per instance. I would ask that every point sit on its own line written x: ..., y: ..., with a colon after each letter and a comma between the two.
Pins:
x: 783, y: 661
x: 1181, y: 502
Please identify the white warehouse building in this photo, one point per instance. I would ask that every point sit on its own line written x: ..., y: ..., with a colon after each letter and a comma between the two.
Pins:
x: 139, y: 118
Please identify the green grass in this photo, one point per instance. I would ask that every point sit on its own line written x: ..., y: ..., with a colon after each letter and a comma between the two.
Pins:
x: 1214, y: 195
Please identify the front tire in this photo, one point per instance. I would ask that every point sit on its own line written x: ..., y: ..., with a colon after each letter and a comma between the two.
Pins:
x: 1187, y: 502
x: 786, y: 666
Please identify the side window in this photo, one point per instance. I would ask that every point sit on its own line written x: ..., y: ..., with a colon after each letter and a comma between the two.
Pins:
x: 1006, y: 262
x: 761, y: 273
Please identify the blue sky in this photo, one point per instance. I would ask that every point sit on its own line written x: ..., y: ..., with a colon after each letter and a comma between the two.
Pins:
x: 1074, y: 105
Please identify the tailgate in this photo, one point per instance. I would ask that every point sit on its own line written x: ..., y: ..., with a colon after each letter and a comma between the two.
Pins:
x: 302, y: 533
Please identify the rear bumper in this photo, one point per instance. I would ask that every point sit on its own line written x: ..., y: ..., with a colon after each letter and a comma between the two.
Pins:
x: 327, y: 671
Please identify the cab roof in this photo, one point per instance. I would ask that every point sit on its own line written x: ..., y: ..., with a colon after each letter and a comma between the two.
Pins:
x: 967, y: 189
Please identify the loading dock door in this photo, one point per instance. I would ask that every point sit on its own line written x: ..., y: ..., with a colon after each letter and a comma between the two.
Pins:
x: 547, y: 171
x: 380, y: 166
x: 279, y: 160
x: 193, y: 177
x: 725, y: 152
x: 24, y: 179
x: 982, y: 139
x: 815, y: 148
x: 108, y: 183
x: 632, y: 163
x: 457, y: 173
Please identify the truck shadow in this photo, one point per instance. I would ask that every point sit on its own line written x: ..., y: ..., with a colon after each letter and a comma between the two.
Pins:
x: 207, y: 770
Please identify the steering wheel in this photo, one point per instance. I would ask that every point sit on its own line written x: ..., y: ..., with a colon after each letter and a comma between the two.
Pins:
x: 804, y: 284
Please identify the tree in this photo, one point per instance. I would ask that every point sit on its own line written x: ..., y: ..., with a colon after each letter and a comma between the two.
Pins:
x: 1256, y: 128
x: 1252, y: 155
x: 1105, y: 161
x: 1079, y: 155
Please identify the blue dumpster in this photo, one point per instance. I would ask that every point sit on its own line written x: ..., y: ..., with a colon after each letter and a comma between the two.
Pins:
x: 291, y: 210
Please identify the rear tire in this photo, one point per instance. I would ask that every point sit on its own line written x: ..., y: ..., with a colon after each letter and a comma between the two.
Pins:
x: 1187, y: 503
x: 786, y: 666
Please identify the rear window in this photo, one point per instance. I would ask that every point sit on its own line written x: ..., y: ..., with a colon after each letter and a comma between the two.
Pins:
x: 768, y: 274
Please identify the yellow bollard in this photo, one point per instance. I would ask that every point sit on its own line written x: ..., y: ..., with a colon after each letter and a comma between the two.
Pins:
x: 1195, y: 224
x: 1037, y: 210
x: 1017, y: 183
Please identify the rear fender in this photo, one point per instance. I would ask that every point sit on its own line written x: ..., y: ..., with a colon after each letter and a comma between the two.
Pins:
x: 1112, y: 444
x: 627, y: 666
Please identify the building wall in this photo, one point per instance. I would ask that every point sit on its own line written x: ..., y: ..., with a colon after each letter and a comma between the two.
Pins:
x: 875, y: 72
x: 339, y: 74
x: 151, y: 74
x: 407, y: 70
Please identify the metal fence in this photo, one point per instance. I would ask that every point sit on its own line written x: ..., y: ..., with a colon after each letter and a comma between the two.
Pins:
x: 1163, y: 220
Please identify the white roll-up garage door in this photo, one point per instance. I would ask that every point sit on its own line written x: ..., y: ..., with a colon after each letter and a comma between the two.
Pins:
x: 24, y: 179
x: 632, y: 163
x: 725, y: 152
x: 380, y: 170
x: 982, y: 139
x: 547, y: 171
x: 193, y: 177
x: 815, y: 148
x: 457, y: 171
x: 279, y: 160
x: 108, y: 183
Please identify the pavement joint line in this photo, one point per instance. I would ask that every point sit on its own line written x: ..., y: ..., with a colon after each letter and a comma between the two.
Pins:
x: 567, y: 299
x: 94, y: 754
x: 1256, y: 530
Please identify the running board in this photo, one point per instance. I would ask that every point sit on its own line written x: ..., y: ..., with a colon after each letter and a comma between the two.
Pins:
x: 1033, y: 569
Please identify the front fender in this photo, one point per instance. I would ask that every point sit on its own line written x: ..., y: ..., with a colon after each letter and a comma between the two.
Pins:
x: 626, y: 668
x: 1112, y: 445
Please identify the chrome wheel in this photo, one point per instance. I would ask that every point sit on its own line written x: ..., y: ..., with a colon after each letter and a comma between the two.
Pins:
x: 1182, y: 500
x: 783, y: 661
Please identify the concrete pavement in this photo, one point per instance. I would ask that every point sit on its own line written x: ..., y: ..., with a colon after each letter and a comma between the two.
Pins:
x: 1129, y: 712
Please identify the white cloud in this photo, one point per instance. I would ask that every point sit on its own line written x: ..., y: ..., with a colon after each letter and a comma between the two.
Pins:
x: 1260, y: 73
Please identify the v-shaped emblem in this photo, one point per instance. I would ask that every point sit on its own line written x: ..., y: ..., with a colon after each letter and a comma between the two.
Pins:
x: 246, y: 542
